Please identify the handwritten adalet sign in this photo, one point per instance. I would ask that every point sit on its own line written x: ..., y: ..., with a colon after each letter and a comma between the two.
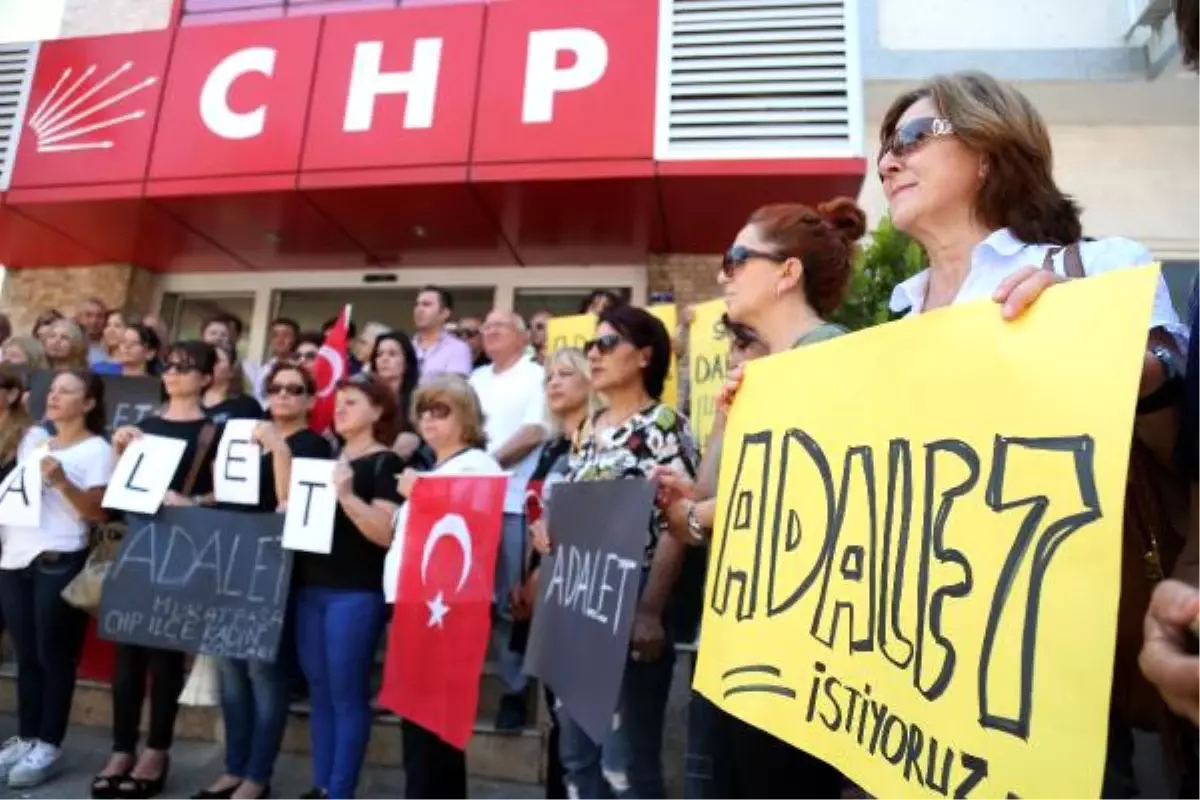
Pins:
x: 915, y: 567
x: 200, y: 580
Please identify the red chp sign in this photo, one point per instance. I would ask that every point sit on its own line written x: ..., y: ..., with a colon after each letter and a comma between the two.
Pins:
x: 515, y: 82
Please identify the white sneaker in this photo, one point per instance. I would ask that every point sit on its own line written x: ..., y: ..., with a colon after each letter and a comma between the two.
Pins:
x: 39, y: 765
x: 11, y: 754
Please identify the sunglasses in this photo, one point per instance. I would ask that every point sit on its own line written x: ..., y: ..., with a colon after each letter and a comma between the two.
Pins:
x: 736, y: 257
x: 605, y: 344
x: 436, y: 409
x: 182, y: 367
x: 913, y: 135
x: 293, y: 389
x: 466, y: 333
x: 306, y: 355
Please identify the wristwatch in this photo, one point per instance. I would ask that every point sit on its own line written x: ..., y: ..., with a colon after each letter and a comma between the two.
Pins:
x: 695, y: 529
x: 1168, y: 393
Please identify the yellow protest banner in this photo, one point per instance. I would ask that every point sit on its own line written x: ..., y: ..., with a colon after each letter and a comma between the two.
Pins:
x: 573, y: 331
x: 915, y: 568
x: 708, y: 362
x: 667, y: 316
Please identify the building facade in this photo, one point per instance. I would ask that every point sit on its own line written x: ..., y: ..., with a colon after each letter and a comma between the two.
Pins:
x: 281, y: 157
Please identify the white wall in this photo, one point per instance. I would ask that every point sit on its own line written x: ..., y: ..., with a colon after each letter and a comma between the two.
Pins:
x: 1141, y: 182
x: 101, y: 17
x: 1001, y: 24
x: 30, y: 20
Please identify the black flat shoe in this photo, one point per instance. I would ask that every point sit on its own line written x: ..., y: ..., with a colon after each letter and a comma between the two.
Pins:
x: 315, y: 794
x: 223, y: 794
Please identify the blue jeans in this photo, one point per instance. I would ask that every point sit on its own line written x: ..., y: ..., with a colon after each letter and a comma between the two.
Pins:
x: 510, y: 569
x: 254, y: 699
x: 47, y: 634
x: 336, y: 633
x: 629, y: 761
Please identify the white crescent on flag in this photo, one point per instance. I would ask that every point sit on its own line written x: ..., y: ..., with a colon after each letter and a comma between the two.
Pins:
x: 455, y: 527
x: 328, y: 370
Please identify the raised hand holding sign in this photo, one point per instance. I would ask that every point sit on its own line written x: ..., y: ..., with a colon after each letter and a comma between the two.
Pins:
x: 143, y: 475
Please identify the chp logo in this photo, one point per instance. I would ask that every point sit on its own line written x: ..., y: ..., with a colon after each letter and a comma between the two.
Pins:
x: 80, y: 112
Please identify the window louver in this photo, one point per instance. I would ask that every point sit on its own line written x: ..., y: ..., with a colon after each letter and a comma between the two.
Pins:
x: 758, y: 79
x: 16, y: 70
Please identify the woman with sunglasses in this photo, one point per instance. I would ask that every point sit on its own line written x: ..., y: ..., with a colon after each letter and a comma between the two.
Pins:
x: 450, y: 418
x: 630, y: 358
x: 255, y: 694
x: 570, y: 402
x: 339, y: 607
x: 787, y: 271
x: 37, y: 563
x: 226, y: 397
x: 187, y: 371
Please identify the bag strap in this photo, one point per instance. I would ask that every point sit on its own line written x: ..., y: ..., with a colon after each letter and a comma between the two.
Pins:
x: 203, y: 444
x: 1072, y: 260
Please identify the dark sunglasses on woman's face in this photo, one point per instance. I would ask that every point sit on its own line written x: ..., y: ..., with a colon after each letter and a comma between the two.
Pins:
x: 293, y: 389
x: 182, y: 367
x: 605, y: 344
x: 737, y: 256
x: 306, y: 355
x: 914, y: 134
x: 435, y: 409
x: 466, y: 333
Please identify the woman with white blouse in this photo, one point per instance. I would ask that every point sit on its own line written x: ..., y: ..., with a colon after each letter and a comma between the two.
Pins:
x: 450, y: 420
x: 37, y: 563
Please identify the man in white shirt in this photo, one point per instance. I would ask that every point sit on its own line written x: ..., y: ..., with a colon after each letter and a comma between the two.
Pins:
x: 511, y: 392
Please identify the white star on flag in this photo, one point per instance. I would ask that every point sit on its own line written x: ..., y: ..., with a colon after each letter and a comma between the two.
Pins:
x: 437, y: 610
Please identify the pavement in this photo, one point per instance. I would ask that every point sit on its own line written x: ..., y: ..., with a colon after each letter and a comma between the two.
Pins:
x: 196, y: 764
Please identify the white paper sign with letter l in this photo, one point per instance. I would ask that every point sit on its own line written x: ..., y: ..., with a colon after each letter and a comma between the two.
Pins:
x: 311, y: 505
x: 21, y: 492
x: 238, y: 468
x: 144, y: 473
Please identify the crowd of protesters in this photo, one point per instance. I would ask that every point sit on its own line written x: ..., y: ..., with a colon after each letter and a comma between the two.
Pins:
x: 966, y: 168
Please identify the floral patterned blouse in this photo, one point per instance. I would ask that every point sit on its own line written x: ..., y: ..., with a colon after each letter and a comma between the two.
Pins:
x: 656, y: 435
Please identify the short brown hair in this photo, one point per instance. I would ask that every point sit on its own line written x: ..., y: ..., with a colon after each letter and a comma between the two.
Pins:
x: 455, y: 392
x: 1187, y: 21
x: 996, y: 121
x: 822, y: 239
x: 380, y: 396
x: 310, y: 384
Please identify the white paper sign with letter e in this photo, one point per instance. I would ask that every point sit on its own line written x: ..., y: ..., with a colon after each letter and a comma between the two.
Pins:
x: 238, y: 468
x: 311, y: 505
x: 21, y: 492
x: 144, y: 473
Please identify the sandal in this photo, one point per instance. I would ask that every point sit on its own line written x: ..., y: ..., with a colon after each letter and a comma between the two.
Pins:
x: 107, y: 787
x: 137, y: 788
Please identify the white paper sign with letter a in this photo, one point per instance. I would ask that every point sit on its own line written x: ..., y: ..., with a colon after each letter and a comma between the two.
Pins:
x: 144, y: 473
x: 311, y: 506
x: 238, y: 468
x: 21, y: 492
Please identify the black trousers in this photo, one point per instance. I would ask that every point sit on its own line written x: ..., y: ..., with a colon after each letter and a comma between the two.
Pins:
x: 556, y: 787
x: 433, y: 770
x: 166, y: 671
x: 761, y: 766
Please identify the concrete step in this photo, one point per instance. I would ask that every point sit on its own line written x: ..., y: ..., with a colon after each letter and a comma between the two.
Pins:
x: 491, y: 755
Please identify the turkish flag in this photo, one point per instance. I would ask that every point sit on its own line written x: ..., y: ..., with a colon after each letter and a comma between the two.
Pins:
x: 442, y: 617
x: 331, y: 366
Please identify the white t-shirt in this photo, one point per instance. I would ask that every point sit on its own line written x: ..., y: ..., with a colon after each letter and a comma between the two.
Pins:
x: 469, y: 462
x: 88, y: 464
x: 512, y: 399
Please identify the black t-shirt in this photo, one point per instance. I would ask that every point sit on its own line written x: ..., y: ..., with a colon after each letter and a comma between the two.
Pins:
x: 354, y: 562
x: 189, y: 432
x: 303, y: 444
x: 241, y: 407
